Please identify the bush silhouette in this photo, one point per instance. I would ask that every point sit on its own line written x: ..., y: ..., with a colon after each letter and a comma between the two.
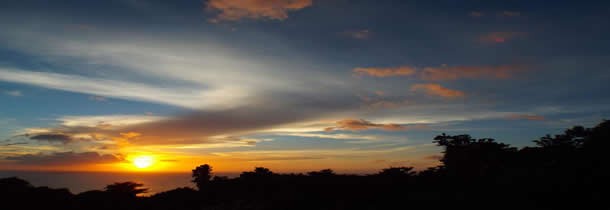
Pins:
x: 131, y: 189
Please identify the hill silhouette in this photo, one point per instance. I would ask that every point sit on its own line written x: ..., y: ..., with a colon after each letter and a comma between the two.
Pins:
x: 565, y: 170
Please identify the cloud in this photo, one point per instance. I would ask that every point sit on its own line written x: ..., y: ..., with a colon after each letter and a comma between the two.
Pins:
x: 285, y: 158
x: 387, y: 104
x: 385, y: 72
x: 111, y: 88
x: 106, y: 121
x: 130, y: 135
x: 434, y: 157
x: 476, y: 14
x: 15, y: 93
x: 444, y: 73
x: 359, y: 34
x: 318, y: 153
x: 198, y: 127
x: 13, y: 144
x: 530, y: 117
x: 358, y: 125
x: 500, y: 37
x: 509, y: 14
x: 52, y: 137
x: 64, y: 158
x: 98, y: 98
x: 437, y: 90
x: 205, y: 74
x: 233, y: 10
x: 379, y: 101
x: 338, y: 136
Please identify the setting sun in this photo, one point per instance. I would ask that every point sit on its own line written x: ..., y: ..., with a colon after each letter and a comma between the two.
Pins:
x: 143, y: 161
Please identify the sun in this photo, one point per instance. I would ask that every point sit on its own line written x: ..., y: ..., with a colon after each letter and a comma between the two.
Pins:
x: 143, y: 161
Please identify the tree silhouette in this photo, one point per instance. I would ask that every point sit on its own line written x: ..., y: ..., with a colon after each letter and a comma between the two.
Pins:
x: 262, y: 171
x: 126, y: 188
x: 598, y: 137
x: 202, y: 175
x: 324, y: 172
x: 465, y: 156
x: 258, y: 173
x: 397, y: 172
x: 571, y: 139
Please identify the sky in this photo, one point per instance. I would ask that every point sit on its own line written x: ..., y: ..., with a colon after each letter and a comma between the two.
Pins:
x: 292, y: 85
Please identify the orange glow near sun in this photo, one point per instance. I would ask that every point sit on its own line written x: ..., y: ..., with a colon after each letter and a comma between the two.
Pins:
x: 143, y: 161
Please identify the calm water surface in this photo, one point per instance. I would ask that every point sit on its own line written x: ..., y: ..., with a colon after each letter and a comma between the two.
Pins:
x: 78, y: 182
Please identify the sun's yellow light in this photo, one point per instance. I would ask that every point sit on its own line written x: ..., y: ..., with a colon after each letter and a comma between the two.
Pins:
x: 143, y: 161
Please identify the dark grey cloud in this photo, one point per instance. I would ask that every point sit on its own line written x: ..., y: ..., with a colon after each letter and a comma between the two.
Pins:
x: 64, y: 158
x: 52, y: 137
x: 13, y: 144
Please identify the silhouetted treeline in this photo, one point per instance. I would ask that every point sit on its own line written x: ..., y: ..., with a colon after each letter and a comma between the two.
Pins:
x: 566, y: 170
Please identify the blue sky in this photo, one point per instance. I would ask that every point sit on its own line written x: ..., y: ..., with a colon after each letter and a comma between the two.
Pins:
x: 291, y: 84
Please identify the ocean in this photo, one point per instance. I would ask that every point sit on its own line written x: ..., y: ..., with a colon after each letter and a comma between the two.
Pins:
x: 78, y: 182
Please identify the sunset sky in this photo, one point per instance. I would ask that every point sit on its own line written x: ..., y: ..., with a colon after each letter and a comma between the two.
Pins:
x: 292, y: 85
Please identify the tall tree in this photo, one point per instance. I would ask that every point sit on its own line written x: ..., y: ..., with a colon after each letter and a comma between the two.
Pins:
x: 202, y: 175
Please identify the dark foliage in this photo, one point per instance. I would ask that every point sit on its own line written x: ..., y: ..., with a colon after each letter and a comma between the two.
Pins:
x: 202, y: 175
x: 565, y: 170
x: 130, y: 189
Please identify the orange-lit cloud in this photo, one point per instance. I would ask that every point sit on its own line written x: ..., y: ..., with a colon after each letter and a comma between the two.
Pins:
x: 500, y: 37
x: 442, y: 73
x: 232, y: 10
x: 526, y: 117
x: 385, y: 72
x: 468, y: 72
x: 360, y: 124
x: 437, y: 90
x: 130, y: 135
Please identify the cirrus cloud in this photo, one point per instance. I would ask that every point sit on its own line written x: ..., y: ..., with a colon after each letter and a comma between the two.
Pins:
x: 360, y: 124
x: 530, y: 117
